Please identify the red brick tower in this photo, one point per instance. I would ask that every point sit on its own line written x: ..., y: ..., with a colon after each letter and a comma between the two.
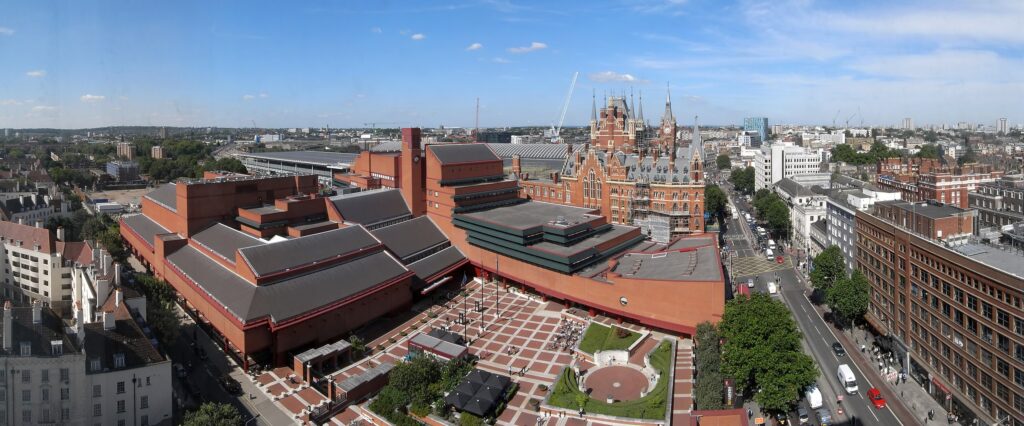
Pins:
x: 413, y: 183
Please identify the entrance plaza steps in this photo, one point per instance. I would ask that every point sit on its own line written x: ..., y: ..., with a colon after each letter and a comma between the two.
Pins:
x: 682, y: 386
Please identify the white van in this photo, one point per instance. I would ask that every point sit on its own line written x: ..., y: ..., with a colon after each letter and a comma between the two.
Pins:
x: 769, y: 254
x: 846, y: 379
x: 813, y: 396
x: 773, y: 288
x: 771, y: 244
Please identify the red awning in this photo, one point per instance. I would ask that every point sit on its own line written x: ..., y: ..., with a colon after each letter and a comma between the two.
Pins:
x: 935, y: 380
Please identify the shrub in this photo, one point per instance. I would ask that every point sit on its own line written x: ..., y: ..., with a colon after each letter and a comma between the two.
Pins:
x: 621, y: 333
x: 543, y: 388
x: 535, y: 404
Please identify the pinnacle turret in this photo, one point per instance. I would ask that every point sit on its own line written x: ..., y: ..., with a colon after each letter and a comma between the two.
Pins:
x: 668, y: 117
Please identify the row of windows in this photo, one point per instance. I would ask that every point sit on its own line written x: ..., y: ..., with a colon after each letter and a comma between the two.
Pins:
x: 44, y: 374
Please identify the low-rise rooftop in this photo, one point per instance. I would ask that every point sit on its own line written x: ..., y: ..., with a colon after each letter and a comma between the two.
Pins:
x: 319, y: 158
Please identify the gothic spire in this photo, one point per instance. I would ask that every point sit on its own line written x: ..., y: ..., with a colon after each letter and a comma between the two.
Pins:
x: 593, y: 107
x: 668, y: 117
x: 640, y: 110
x: 632, y: 105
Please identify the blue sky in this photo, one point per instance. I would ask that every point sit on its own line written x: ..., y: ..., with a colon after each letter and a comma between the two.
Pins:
x: 309, y: 64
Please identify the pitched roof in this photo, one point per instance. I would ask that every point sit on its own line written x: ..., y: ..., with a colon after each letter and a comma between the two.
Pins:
x: 144, y: 226
x: 269, y: 258
x: 28, y: 235
x: 75, y: 251
x: 407, y: 238
x: 371, y: 207
x: 462, y: 153
x: 225, y: 240
x: 125, y: 338
x: 292, y: 296
x: 39, y: 336
x: 165, y: 195
x: 427, y: 267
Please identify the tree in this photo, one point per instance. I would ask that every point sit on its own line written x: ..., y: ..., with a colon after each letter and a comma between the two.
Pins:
x: 213, y: 413
x: 848, y: 297
x: 776, y: 214
x: 715, y: 200
x: 829, y: 266
x: 762, y: 351
x: 743, y: 180
x: 723, y: 162
x: 928, y: 150
x: 969, y: 156
x: 710, y: 388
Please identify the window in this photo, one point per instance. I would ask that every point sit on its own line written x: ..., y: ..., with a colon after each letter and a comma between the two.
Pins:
x: 45, y: 394
x: 144, y: 420
x: 120, y: 406
x: 64, y: 373
x: 120, y: 388
x: 44, y: 376
x: 119, y: 360
x: 96, y: 391
x: 1003, y: 318
x: 94, y: 364
x: 26, y: 416
x: 144, y: 402
x: 97, y: 410
x: 26, y: 349
x: 122, y: 422
x: 65, y: 394
x: 26, y: 395
x: 26, y: 376
x: 65, y: 414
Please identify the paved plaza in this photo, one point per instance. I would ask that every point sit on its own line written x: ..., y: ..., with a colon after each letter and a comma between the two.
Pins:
x: 514, y: 334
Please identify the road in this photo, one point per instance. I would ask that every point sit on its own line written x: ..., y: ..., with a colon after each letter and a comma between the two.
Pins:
x: 818, y: 335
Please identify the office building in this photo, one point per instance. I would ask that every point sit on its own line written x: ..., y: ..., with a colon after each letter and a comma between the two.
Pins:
x: 776, y: 130
x: 37, y: 265
x: 126, y: 150
x: 841, y: 208
x: 494, y: 137
x: 757, y: 124
x: 123, y: 171
x: 749, y: 138
x: 921, y: 179
x: 1003, y: 126
x: 780, y: 160
x: 951, y: 302
x: 157, y: 152
x: 908, y: 124
x: 999, y: 203
x: 805, y: 208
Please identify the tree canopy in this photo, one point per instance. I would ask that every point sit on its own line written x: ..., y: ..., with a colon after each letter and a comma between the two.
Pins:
x: 829, y: 267
x: 709, y: 389
x: 743, y: 180
x: 715, y: 200
x: 928, y: 150
x: 769, y: 207
x: 213, y: 413
x: 846, y: 154
x: 723, y: 162
x: 762, y: 351
x: 848, y: 297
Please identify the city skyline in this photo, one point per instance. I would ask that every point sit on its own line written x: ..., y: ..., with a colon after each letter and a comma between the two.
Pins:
x: 74, y: 65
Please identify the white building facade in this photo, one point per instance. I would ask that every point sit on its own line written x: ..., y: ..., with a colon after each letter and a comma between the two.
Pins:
x: 780, y: 160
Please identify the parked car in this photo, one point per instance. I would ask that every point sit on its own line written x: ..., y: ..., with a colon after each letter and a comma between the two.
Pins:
x: 824, y: 417
x: 750, y: 283
x: 230, y: 384
x: 838, y: 349
x: 180, y: 371
x: 875, y: 396
x: 803, y: 415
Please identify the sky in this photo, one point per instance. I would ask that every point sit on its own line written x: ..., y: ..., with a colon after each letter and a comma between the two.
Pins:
x: 78, y: 64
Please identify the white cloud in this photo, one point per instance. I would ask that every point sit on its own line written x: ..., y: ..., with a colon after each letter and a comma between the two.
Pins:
x: 418, y: 37
x: 526, y: 49
x: 6, y: 31
x: 36, y: 73
x: 610, y: 76
x: 475, y: 46
x: 376, y: 30
x: 6, y: 102
x: 92, y: 98
x: 975, y: 21
x: 248, y: 97
x: 953, y: 66
x: 671, y: 7
x: 44, y: 108
x: 500, y: 60
x: 264, y: 96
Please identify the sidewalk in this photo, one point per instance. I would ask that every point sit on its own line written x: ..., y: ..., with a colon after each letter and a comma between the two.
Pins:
x: 909, y: 401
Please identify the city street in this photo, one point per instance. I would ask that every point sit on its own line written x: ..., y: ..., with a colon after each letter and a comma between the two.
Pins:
x: 818, y: 335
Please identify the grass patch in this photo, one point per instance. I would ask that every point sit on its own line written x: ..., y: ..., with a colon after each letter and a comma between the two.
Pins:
x: 566, y: 393
x: 601, y: 338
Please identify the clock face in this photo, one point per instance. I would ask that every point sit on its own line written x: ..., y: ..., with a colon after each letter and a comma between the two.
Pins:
x: 668, y: 130
x: 416, y: 159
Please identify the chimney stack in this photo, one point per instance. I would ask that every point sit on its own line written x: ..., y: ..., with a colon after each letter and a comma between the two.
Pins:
x: 39, y: 224
x: 60, y: 233
x: 21, y: 221
x: 516, y: 165
x: 37, y: 312
x: 108, y: 321
x: 8, y: 338
x: 117, y: 274
x: 118, y: 297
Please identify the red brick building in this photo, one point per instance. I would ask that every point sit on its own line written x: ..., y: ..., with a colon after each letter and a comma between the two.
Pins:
x: 921, y: 179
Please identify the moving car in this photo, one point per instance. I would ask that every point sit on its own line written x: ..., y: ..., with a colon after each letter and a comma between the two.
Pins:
x: 875, y: 396
x: 750, y: 283
x: 813, y: 396
x: 773, y: 288
x: 838, y: 349
x: 803, y: 415
x: 824, y: 417
x: 780, y: 260
x: 846, y: 379
x: 230, y: 384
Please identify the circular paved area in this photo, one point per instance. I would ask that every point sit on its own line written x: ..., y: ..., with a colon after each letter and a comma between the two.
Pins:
x: 622, y: 383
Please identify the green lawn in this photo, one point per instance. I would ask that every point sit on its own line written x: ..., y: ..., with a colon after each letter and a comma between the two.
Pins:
x: 602, y: 338
x: 652, y: 406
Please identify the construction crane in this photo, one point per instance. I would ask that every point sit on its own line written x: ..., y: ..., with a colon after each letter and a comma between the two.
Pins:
x: 374, y: 124
x: 834, y: 117
x: 556, y: 132
x: 848, y: 120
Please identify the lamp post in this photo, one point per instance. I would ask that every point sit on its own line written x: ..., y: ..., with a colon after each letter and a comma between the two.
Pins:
x: 253, y: 418
x: 135, y: 413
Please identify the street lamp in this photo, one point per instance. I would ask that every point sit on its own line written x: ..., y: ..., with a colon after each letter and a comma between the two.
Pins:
x: 135, y: 413
x: 253, y: 418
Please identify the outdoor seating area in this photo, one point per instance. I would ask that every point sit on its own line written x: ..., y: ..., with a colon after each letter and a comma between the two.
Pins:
x: 479, y: 393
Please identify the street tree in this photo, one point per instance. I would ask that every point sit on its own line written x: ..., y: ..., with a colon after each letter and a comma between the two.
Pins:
x: 829, y: 266
x: 928, y: 150
x: 709, y: 389
x: 714, y: 201
x: 743, y: 180
x: 848, y: 297
x: 723, y: 162
x: 762, y: 351
x: 213, y: 413
x: 777, y: 216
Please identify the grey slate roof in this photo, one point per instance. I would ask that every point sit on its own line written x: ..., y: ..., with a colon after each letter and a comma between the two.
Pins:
x: 336, y: 347
x: 225, y: 240
x: 319, y: 158
x: 794, y: 188
x: 695, y: 265
x: 143, y: 226
x: 165, y: 195
x: 410, y: 237
x: 647, y: 169
x: 126, y: 338
x: 437, y: 262
x: 444, y: 348
x: 269, y: 258
x: 370, y: 207
x: 38, y: 336
x: 290, y: 297
x: 353, y: 382
x: 462, y: 153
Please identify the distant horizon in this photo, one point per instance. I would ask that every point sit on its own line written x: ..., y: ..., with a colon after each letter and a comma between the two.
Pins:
x: 276, y: 65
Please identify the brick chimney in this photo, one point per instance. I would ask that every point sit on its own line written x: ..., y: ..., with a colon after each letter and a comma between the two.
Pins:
x: 8, y: 338
x: 517, y: 167
x: 118, y: 297
x: 108, y: 321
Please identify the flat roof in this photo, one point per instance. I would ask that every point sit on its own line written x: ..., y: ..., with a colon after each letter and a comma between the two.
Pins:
x: 695, y: 263
x: 165, y: 195
x: 928, y: 210
x: 318, y: 158
x: 1008, y: 260
x: 534, y: 213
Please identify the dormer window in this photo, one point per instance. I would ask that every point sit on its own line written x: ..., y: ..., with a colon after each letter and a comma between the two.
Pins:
x: 26, y: 349
x: 119, y: 360
x: 94, y: 364
x: 56, y: 347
